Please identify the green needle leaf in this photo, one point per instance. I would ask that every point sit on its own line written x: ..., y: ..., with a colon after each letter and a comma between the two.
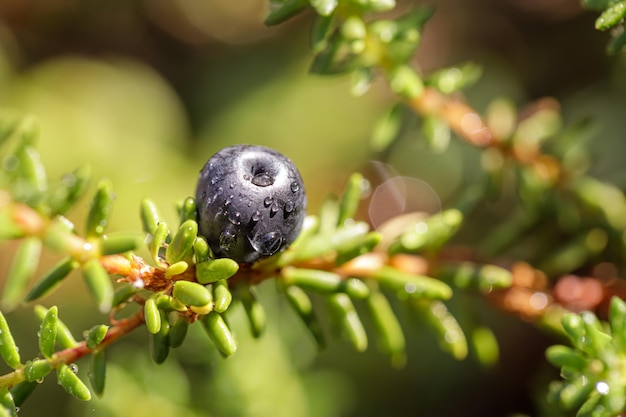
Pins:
x: 390, y: 336
x: 152, y: 315
x: 99, y: 284
x: 178, y: 329
x: 22, y: 269
x: 347, y: 320
x: 409, y: 285
x: 181, y: 245
x: 48, y: 332
x: 611, y: 16
x: 222, y: 297
x: 160, y: 342
x: 96, y: 335
x: 7, y: 405
x: 100, y: 210
x: 97, y: 372
x: 192, y: 293
x: 36, y: 370
x: 450, y: 335
x: 254, y: 310
x: 351, y: 198
x: 215, y: 270
x: 303, y: 307
x: 282, y: 10
x: 64, y: 337
x: 8, y: 349
x: 51, y: 279
x: 149, y: 215
x: 72, y: 383
x: 113, y: 244
x: 187, y: 210
x: 219, y: 333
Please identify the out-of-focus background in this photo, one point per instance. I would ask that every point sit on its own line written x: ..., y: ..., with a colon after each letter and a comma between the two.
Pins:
x: 145, y: 91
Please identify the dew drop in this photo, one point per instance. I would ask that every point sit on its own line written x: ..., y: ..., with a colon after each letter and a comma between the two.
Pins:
x: 228, y: 240
x: 256, y: 216
x: 263, y: 179
x: 295, y: 187
x: 268, y: 201
x: 267, y: 244
x: 289, y: 206
x: 274, y: 209
x: 249, y: 203
x: 73, y: 367
x: 232, y: 185
x: 229, y: 200
x: 235, y: 218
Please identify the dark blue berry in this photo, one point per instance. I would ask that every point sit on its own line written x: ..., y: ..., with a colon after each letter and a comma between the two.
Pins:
x: 251, y: 202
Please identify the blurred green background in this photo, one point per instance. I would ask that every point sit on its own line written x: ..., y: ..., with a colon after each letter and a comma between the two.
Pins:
x: 145, y: 91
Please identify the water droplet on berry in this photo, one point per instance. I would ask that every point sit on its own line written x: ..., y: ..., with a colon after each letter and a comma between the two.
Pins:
x: 295, y: 187
x: 235, y: 218
x: 229, y: 200
x: 249, y: 203
x: 267, y: 244
x: 232, y: 185
x: 274, y: 209
x: 263, y: 179
x: 289, y: 206
x: 228, y: 239
x: 256, y: 216
x: 268, y: 201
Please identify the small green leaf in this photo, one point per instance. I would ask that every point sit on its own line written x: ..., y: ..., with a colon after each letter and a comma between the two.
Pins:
x: 8, y: 349
x: 176, y: 269
x: 219, y: 333
x: 160, y: 342
x: 192, y: 293
x: 51, y: 279
x: 437, y: 132
x: 124, y: 293
x: 99, y: 284
x: 320, y: 31
x: 485, y: 278
x: 7, y: 405
x: 449, y: 80
x: 216, y: 269
x: 48, y: 332
x: 303, y: 307
x: 96, y: 335
x: 157, y: 241
x: 33, y: 172
x: 64, y: 338
x: 254, y: 310
x: 596, y: 338
x: 97, y: 372
x: 72, y: 384
x: 22, y: 269
x: 282, y: 10
x: 449, y: 333
x: 187, y: 210
x: 201, y: 250
x: 429, y: 234
x: 36, y: 370
x: 412, y: 286
x: 113, y: 244
x: 152, y: 315
x: 404, y: 81
x: 611, y: 16
x: 618, y: 323
x: 324, y: 7
x: 222, y: 297
x: 312, y: 279
x: 485, y: 346
x: 100, y: 210
x: 22, y: 391
x: 357, y: 246
x: 562, y: 356
x: 149, y: 216
x: 388, y: 127
x: 617, y: 43
x: 577, y: 392
x: 169, y: 303
x: 351, y: 198
x: 178, y: 328
x: 72, y: 186
x: 390, y: 336
x: 182, y: 243
x: 347, y: 320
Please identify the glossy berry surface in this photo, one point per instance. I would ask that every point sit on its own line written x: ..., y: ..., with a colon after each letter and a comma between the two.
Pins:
x: 251, y: 202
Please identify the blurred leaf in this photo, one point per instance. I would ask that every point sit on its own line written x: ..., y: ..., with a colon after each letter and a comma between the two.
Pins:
x: 282, y: 10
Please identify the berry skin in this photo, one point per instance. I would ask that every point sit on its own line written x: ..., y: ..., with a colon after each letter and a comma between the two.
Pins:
x: 251, y: 202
